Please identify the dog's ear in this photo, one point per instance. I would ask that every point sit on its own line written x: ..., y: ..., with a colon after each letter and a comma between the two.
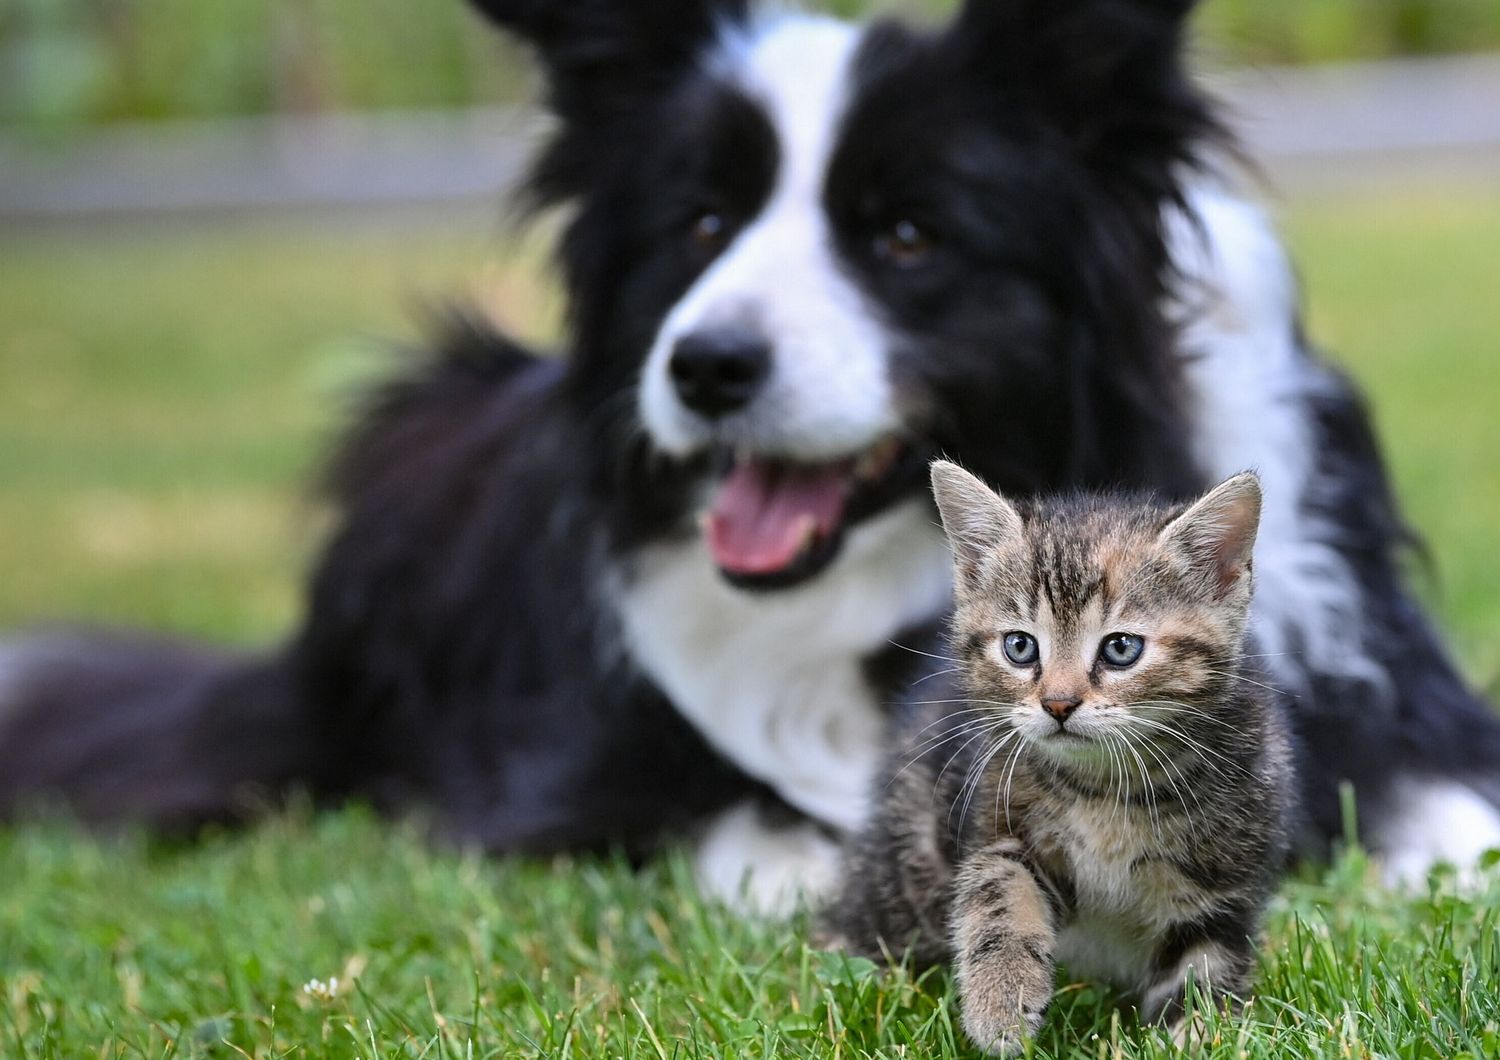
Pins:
x: 601, y: 56
x: 1109, y: 72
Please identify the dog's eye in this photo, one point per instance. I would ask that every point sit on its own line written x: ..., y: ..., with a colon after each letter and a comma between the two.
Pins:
x: 1021, y: 648
x: 709, y: 231
x: 903, y: 244
x: 1121, y: 649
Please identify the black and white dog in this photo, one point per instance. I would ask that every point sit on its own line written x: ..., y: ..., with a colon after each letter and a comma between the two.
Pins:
x: 677, y: 579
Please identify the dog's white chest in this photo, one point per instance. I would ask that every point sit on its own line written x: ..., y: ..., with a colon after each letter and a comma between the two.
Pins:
x: 775, y: 680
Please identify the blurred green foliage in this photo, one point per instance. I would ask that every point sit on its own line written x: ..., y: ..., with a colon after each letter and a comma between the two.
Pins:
x: 65, y: 62
x: 1304, y: 31
x: 70, y: 63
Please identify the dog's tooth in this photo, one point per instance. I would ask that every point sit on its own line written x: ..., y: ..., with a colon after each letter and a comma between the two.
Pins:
x: 877, y: 460
x: 704, y: 519
x: 807, y: 531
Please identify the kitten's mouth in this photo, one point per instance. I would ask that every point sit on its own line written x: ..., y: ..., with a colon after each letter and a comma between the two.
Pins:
x: 775, y: 522
x: 1067, y: 736
x: 1069, y: 743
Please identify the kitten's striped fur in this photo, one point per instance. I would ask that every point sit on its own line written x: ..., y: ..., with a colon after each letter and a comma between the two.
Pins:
x: 1135, y: 826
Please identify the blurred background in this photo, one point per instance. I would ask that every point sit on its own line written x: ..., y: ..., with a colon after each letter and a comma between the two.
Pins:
x: 69, y: 65
x: 219, y: 219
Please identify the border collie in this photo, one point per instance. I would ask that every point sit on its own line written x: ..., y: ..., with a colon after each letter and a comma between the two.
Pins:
x: 677, y: 579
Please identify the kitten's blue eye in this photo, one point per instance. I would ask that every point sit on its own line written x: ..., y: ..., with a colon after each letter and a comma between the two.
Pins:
x: 1121, y: 649
x: 1021, y: 649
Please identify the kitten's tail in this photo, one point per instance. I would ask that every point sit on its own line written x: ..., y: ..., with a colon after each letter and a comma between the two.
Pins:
x: 114, y: 728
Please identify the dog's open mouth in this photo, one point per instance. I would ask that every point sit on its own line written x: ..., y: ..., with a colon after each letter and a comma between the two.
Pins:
x: 776, y: 522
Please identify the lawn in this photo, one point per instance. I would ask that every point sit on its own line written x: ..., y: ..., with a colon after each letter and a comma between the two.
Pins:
x: 164, y: 393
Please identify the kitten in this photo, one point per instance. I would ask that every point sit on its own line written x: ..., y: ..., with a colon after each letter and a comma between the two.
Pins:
x: 1111, y: 791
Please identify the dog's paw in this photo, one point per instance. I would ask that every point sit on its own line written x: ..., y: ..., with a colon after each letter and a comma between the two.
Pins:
x: 831, y: 940
x: 1187, y: 1032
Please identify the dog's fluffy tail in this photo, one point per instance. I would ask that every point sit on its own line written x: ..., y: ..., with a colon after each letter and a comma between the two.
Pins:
x: 114, y: 728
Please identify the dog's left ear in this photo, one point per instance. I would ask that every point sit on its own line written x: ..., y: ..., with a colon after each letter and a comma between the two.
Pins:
x: 1109, y: 72
x: 601, y: 56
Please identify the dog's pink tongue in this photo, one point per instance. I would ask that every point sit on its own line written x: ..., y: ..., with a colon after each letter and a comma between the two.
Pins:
x: 765, y: 514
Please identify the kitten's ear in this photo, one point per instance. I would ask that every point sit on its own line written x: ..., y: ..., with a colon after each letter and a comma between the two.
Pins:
x: 977, y: 519
x: 1216, y: 536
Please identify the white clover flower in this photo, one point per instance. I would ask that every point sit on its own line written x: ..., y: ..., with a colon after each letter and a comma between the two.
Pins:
x: 321, y: 991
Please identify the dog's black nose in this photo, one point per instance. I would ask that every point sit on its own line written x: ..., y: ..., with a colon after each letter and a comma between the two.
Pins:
x: 717, y: 372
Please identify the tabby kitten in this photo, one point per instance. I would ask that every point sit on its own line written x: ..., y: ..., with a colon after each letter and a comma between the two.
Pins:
x: 1110, y: 791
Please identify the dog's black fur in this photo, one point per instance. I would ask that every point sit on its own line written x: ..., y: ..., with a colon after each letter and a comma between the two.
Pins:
x: 459, y: 652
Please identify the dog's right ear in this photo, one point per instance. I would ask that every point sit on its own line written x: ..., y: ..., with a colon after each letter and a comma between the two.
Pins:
x: 601, y: 56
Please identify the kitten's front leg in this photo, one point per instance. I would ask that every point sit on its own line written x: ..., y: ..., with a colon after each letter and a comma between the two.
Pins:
x: 897, y: 885
x: 1214, y: 956
x: 1004, y: 931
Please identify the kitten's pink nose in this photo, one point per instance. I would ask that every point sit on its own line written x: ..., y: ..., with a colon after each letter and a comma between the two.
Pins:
x: 1061, y: 706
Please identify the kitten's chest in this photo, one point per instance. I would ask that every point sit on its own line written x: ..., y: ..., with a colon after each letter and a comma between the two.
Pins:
x: 1122, y: 870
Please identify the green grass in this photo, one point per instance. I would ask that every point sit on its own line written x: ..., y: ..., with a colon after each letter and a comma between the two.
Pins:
x: 164, y: 393
x: 124, y: 949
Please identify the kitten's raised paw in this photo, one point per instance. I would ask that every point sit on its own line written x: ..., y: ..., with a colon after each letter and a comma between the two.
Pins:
x: 1002, y: 1009
x: 1000, y: 1033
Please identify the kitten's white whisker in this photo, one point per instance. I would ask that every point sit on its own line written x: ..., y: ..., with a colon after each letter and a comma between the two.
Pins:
x: 971, y: 700
x: 938, y: 673
x: 971, y: 780
x: 1149, y: 790
x: 1168, y: 769
x: 1010, y: 775
x: 933, y: 743
x: 950, y: 715
x: 1116, y: 776
x: 928, y: 654
x: 1248, y: 681
x: 1168, y: 706
x: 1196, y: 747
x: 976, y: 777
x: 984, y: 716
x: 955, y: 756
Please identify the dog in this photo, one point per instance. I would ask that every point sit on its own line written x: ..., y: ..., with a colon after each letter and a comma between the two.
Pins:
x: 675, y: 581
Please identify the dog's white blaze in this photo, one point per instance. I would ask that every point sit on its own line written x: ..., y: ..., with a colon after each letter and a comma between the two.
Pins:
x: 1248, y: 381
x: 765, y: 869
x: 775, y: 680
x: 1433, y: 821
x: 829, y: 393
